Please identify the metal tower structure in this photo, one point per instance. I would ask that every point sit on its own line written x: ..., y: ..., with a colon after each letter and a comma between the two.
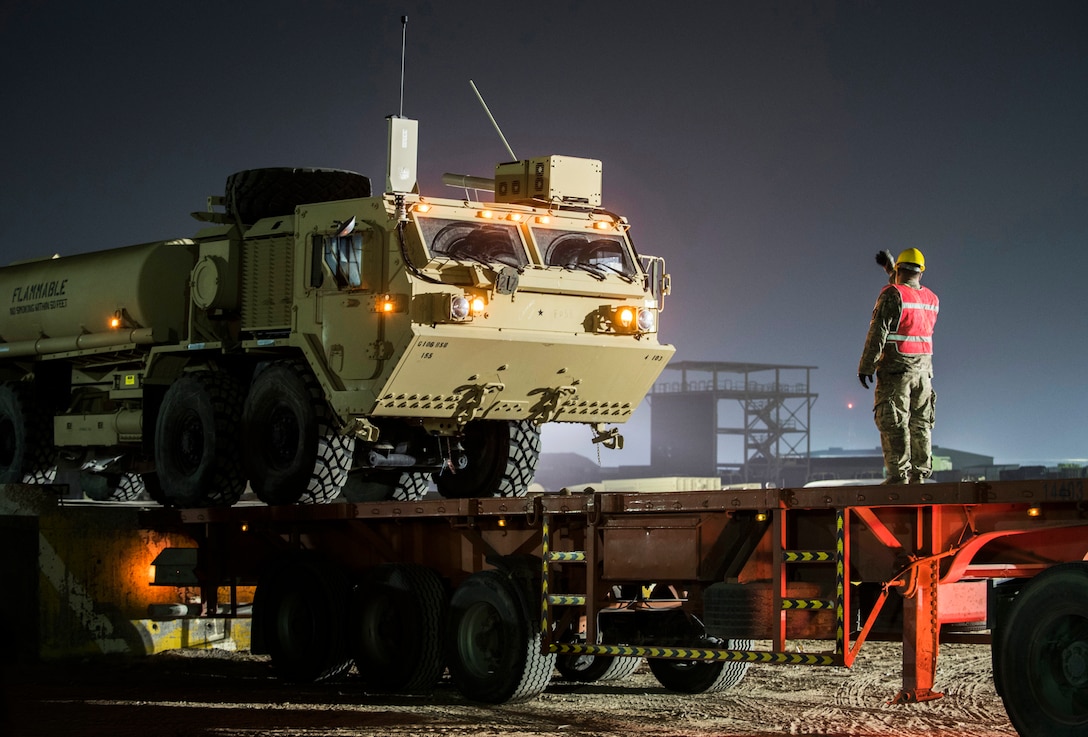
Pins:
x: 698, y: 405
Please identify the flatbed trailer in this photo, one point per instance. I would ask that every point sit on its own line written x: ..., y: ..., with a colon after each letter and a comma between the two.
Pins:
x: 502, y: 591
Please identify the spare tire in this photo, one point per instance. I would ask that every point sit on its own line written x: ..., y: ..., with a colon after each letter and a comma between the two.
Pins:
x: 253, y: 194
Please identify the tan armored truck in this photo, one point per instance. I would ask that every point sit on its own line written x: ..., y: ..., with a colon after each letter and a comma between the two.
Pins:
x: 315, y: 339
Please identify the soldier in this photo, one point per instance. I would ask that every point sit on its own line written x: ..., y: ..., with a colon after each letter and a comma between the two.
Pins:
x: 899, y: 349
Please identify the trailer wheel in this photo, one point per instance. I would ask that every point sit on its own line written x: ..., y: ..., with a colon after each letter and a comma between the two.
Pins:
x: 300, y: 610
x: 702, y: 676
x: 1041, y: 654
x: 502, y: 458
x: 196, y: 441
x: 253, y: 194
x: 395, y: 628
x: 593, y: 668
x: 377, y: 486
x: 290, y: 446
x: 26, y: 435
x: 493, y: 645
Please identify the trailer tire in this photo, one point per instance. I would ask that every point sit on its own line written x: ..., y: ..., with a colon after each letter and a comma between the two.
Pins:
x: 1041, y: 654
x: 253, y: 194
x: 702, y: 676
x: 196, y: 441
x: 290, y: 446
x: 300, y: 620
x: 493, y: 646
x: 395, y: 628
x: 26, y: 435
x: 593, y: 668
x: 502, y: 459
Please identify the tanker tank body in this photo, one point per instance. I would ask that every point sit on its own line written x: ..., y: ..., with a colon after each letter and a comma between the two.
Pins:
x: 74, y: 339
x: 95, y: 299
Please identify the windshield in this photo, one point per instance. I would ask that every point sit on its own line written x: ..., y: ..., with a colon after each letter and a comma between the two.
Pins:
x: 576, y: 250
x: 473, y: 241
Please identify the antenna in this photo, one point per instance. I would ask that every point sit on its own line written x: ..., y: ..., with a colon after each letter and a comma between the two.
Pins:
x: 400, y: 173
x: 491, y: 117
x: 403, y: 35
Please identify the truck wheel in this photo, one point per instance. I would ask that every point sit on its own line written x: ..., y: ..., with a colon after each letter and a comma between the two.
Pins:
x: 593, y: 668
x: 260, y: 193
x: 124, y: 487
x: 1041, y: 654
x: 301, y: 612
x: 379, y: 486
x: 492, y: 643
x: 26, y: 437
x: 196, y: 441
x: 290, y: 447
x: 395, y: 628
x: 701, y: 676
x: 502, y: 458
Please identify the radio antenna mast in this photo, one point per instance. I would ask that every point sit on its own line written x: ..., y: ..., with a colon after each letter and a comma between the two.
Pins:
x: 403, y: 35
x: 492, y: 119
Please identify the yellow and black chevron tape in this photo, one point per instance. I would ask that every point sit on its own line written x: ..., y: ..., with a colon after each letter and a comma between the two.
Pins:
x: 566, y: 556
x: 808, y: 604
x: 702, y: 654
x: 808, y: 556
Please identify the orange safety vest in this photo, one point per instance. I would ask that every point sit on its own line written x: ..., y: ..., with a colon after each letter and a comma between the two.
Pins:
x: 914, y: 333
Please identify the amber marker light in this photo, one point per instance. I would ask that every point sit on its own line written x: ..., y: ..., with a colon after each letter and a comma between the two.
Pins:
x: 761, y: 516
x: 517, y: 217
x: 387, y: 304
x: 115, y: 321
x: 626, y: 317
x: 421, y: 207
x: 1035, y: 511
x: 478, y: 305
x: 602, y: 225
x: 486, y: 214
x: 543, y: 219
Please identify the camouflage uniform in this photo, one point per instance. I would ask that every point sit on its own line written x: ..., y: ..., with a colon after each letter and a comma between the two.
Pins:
x: 903, y: 403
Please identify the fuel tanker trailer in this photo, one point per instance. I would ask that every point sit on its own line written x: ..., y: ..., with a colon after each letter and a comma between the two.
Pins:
x: 314, y: 340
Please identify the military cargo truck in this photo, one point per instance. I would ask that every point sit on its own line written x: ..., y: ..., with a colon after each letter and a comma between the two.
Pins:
x: 315, y: 338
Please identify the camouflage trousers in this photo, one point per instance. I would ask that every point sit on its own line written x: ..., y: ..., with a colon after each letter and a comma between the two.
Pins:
x: 904, y: 412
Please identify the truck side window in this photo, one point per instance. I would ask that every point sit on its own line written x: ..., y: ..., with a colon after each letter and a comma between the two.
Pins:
x: 343, y: 256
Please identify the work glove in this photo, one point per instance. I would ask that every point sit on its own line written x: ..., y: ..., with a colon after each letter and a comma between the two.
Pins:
x: 865, y: 379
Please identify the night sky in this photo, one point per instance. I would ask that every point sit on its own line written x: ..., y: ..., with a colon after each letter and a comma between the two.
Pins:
x: 766, y: 149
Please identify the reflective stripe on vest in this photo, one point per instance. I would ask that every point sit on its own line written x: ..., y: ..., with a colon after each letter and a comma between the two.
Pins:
x: 914, y: 333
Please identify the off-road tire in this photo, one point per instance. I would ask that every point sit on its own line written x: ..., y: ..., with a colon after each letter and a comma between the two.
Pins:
x: 502, y: 459
x: 114, y: 487
x: 26, y: 437
x: 253, y: 194
x: 291, y: 449
x: 196, y: 441
x: 378, y: 486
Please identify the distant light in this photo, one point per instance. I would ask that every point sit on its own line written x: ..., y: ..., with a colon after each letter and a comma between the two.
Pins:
x: 849, y: 405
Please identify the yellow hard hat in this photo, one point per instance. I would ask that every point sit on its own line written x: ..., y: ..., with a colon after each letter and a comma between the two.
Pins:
x: 910, y: 258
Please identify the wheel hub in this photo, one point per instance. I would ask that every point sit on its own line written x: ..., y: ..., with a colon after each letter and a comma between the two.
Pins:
x: 1075, y: 664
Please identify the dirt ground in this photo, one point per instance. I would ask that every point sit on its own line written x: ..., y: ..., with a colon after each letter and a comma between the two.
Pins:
x: 193, y: 694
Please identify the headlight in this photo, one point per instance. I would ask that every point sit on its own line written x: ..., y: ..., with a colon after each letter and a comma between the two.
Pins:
x: 626, y: 320
x: 459, y: 308
x: 647, y: 320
